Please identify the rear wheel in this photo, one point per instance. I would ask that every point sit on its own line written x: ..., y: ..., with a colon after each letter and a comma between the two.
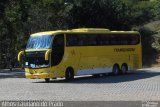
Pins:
x: 124, y: 68
x: 69, y: 75
x: 116, y: 69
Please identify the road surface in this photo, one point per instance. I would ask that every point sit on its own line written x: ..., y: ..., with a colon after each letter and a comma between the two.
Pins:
x: 142, y: 85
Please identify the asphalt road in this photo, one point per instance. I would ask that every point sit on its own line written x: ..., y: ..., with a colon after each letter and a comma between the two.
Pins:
x: 142, y: 85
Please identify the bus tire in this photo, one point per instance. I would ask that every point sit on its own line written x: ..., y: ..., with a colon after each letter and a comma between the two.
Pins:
x: 47, y: 80
x: 116, y: 69
x: 69, y: 74
x: 124, y: 68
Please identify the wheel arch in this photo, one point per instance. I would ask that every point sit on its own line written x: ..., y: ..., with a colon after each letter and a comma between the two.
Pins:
x: 124, y: 64
x: 116, y: 64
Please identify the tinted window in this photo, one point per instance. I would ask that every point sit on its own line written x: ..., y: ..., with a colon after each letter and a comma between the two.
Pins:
x: 71, y: 40
x: 81, y: 40
x: 102, y: 39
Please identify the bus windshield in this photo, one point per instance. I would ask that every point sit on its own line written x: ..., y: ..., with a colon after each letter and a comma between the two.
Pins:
x: 39, y: 42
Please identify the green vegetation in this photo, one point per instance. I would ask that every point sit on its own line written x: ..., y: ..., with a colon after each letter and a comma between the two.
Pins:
x: 20, y: 18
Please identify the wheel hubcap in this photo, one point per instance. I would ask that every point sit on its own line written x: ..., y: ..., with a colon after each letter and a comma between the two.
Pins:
x: 116, y: 70
x: 69, y: 74
x: 124, y: 69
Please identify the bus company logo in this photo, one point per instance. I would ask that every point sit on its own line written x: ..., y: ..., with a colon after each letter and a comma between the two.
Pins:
x: 124, y: 49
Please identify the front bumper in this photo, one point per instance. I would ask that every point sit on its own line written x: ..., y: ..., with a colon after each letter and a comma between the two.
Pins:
x: 38, y: 75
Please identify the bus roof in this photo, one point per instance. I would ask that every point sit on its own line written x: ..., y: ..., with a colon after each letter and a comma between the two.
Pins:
x: 84, y: 30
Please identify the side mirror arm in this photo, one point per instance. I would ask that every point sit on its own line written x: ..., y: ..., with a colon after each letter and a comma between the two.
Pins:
x: 47, y: 54
x: 20, y: 54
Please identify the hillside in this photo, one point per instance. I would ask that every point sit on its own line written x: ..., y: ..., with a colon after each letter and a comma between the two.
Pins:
x: 20, y: 18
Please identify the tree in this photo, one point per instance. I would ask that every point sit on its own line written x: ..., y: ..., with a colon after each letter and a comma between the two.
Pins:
x: 20, y: 18
x: 111, y: 14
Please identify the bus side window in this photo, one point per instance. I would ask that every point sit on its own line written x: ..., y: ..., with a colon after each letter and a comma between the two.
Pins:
x: 71, y: 40
x: 113, y: 39
x: 98, y: 39
x: 103, y: 40
x: 134, y: 39
x: 92, y: 40
x: 80, y: 41
x: 125, y: 39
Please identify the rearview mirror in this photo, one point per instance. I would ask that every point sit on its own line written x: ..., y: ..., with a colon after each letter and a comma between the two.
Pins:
x: 47, y: 54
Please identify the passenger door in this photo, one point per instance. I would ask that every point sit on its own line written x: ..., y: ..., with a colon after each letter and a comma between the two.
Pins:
x: 57, y: 49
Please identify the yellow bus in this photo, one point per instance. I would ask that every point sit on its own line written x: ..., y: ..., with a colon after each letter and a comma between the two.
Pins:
x: 84, y: 51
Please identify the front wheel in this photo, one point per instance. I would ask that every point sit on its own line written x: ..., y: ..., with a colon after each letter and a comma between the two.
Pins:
x: 47, y: 80
x: 69, y: 74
